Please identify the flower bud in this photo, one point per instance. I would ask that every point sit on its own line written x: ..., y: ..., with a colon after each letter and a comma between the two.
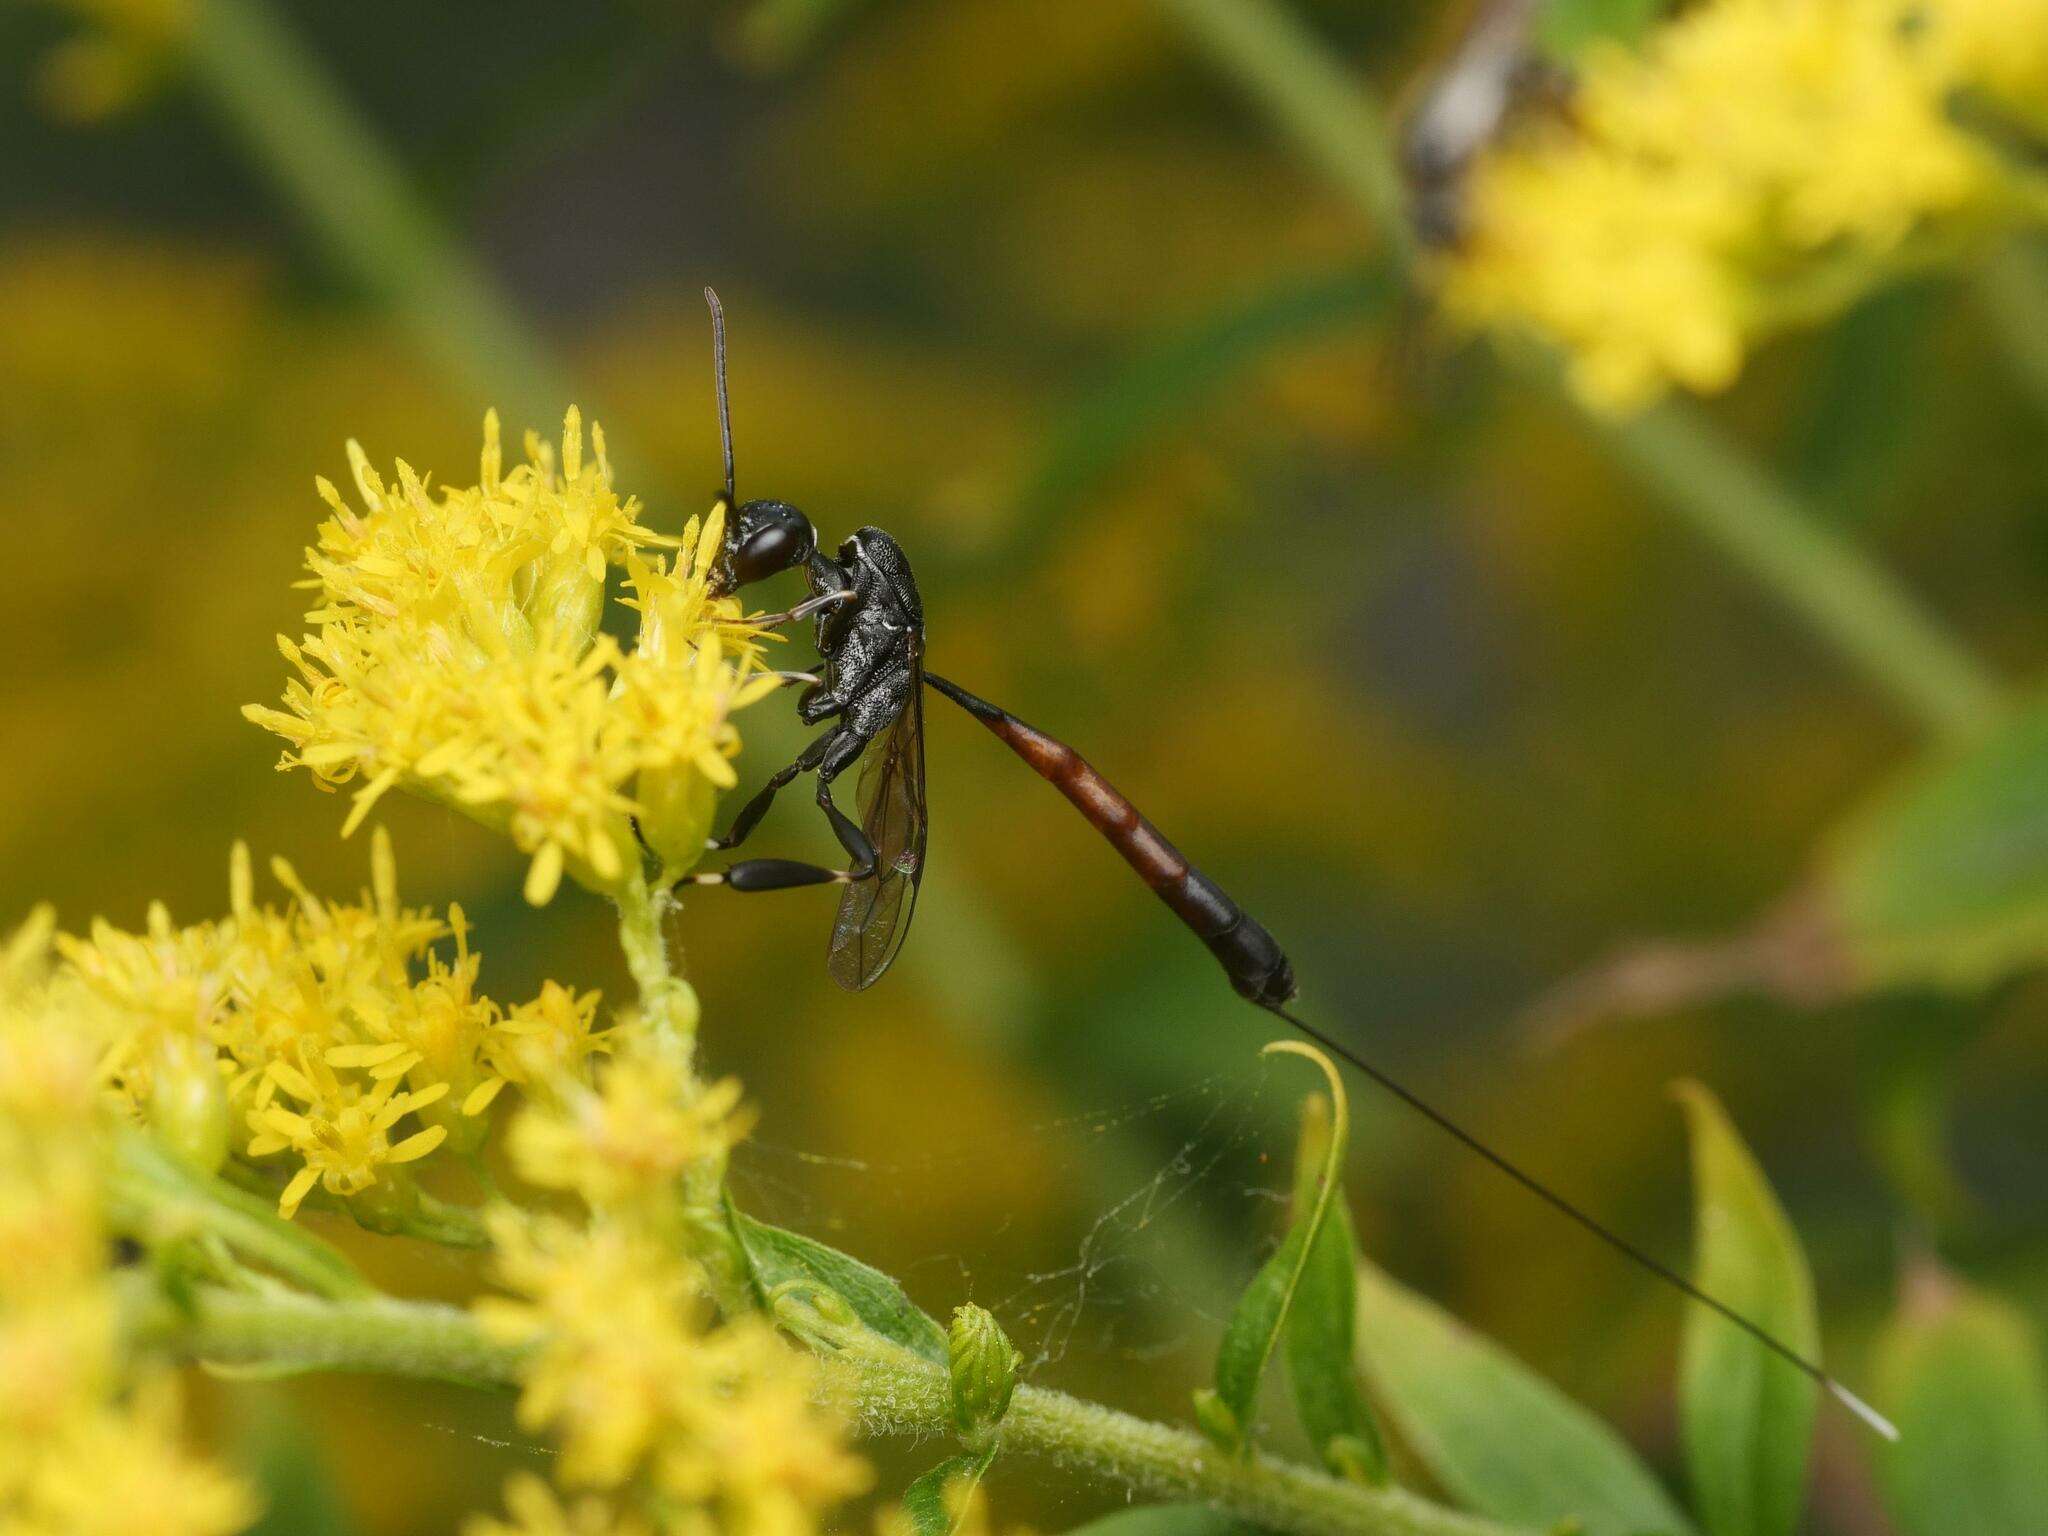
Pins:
x: 187, y: 1104
x: 983, y: 1364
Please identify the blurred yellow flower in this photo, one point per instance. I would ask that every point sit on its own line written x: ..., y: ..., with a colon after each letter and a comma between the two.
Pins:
x: 121, y: 1470
x: 535, y: 1511
x: 457, y: 654
x: 633, y: 1372
x: 626, y: 1142
x: 83, y: 1450
x: 1759, y: 165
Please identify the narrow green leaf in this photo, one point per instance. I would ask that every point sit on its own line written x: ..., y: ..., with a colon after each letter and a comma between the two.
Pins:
x: 1748, y: 1415
x: 1962, y: 1373
x: 1942, y: 878
x: 925, y: 1501
x: 1320, y: 1331
x: 1253, y: 1332
x: 1160, y: 387
x: 1500, y: 1439
x: 776, y: 1257
x: 1167, y: 1520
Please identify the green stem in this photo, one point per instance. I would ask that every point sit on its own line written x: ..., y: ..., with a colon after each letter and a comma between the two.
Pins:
x: 376, y: 1336
x: 1329, y: 114
x: 1845, y: 597
x: 668, y: 1004
x: 1789, y: 548
x: 158, y: 1196
x: 669, y: 1007
x: 891, y: 1391
x: 2013, y: 289
x: 311, y: 142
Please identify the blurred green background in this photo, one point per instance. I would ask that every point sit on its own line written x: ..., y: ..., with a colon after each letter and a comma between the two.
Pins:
x: 1370, y: 628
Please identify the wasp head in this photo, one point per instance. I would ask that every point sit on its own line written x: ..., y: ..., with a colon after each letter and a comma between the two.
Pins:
x: 763, y: 539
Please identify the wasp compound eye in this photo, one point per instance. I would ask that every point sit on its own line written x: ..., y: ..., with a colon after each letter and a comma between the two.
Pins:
x: 767, y: 538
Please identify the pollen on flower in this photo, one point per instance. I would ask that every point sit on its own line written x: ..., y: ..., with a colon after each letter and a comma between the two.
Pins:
x: 1759, y: 165
x: 633, y: 1372
x: 83, y: 1446
x: 626, y: 1141
x: 456, y: 652
x: 338, y: 1041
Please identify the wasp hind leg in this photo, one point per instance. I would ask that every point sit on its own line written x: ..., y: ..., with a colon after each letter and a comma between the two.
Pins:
x: 830, y: 755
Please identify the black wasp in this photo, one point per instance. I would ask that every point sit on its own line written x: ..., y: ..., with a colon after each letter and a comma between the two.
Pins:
x: 869, y: 693
x: 870, y: 687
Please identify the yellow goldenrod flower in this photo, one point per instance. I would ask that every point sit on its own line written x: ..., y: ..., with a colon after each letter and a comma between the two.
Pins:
x: 121, y: 1470
x: 1761, y: 164
x: 457, y: 654
x: 616, y: 1319
x: 82, y: 1451
x: 631, y: 1371
x: 628, y: 1141
x: 311, y: 1031
x: 544, y: 1045
x: 342, y: 1130
x: 756, y: 1450
x: 535, y: 1511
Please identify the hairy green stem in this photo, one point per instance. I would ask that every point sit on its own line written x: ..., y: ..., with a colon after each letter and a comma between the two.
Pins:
x: 891, y: 1392
x: 895, y: 1392
x: 312, y: 143
x: 1845, y: 597
x: 157, y: 1197
x: 374, y: 1336
x: 668, y: 1004
x: 669, y: 1007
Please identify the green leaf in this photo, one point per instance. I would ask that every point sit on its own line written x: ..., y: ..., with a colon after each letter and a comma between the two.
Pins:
x: 1942, y: 878
x: 1962, y: 1373
x: 925, y: 1500
x: 1167, y: 1520
x: 1567, y: 28
x: 1160, y: 387
x: 1320, y: 1332
x: 1253, y: 1331
x: 299, y: 1491
x: 776, y: 1258
x: 1747, y: 1415
x: 1500, y: 1439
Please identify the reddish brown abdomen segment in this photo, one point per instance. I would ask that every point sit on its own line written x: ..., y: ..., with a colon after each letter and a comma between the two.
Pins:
x: 1257, y: 968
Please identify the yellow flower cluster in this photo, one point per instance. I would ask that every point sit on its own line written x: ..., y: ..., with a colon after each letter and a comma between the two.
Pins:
x: 1759, y: 165
x: 696, y: 1423
x: 650, y: 1394
x: 458, y: 653
x: 86, y: 1446
x: 341, y: 1039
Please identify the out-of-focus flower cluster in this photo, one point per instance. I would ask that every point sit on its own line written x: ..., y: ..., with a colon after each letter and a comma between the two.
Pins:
x: 457, y: 653
x: 1759, y: 164
x: 340, y: 1040
x: 88, y: 1443
x: 666, y: 1412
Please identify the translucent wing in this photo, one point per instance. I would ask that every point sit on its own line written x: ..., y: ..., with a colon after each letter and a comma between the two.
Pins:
x: 874, y: 914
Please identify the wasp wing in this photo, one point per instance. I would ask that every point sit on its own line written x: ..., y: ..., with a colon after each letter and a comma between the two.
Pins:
x: 874, y: 914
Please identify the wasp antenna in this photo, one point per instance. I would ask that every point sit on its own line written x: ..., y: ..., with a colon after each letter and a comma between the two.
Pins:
x: 1863, y: 1410
x: 724, y: 404
x: 1607, y: 1235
